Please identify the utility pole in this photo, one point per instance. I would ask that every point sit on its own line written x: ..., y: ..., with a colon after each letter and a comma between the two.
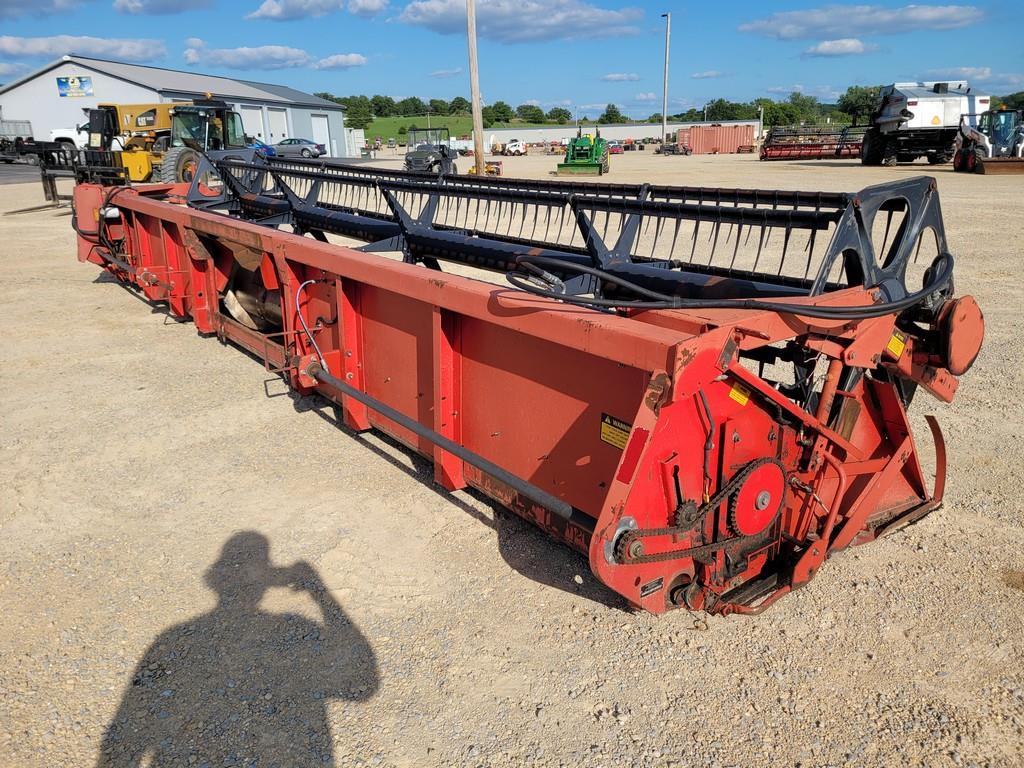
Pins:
x: 474, y: 88
x: 664, y: 96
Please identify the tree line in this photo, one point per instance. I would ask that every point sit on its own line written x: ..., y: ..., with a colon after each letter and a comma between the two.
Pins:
x: 852, y: 107
x: 360, y: 111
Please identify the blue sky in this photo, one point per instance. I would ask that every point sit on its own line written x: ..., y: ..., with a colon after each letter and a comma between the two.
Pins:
x: 578, y: 53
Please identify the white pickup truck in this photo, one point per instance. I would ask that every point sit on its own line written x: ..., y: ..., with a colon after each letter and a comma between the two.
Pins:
x: 72, y: 136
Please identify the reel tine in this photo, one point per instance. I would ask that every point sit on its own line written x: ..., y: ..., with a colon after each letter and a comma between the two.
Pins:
x: 736, y: 246
x: 785, y: 242
x: 696, y: 233
x: 885, y: 237
x: 657, y: 233
x: 760, y: 245
x: 675, y: 236
x: 714, y: 245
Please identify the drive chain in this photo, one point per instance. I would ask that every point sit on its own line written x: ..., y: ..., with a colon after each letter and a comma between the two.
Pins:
x: 628, y: 538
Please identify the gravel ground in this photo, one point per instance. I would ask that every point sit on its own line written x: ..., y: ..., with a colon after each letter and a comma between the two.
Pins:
x: 198, y: 567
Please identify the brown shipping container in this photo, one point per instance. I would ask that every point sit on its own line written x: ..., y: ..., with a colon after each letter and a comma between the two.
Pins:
x: 719, y: 139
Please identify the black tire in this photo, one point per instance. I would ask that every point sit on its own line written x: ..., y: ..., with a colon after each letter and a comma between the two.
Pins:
x: 871, y: 148
x: 179, y: 164
x: 69, y: 148
x: 958, y: 161
x: 889, y: 155
x: 979, y: 160
x: 306, y: 153
x: 939, y: 158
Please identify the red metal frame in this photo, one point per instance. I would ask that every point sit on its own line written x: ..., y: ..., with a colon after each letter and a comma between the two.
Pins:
x: 532, y: 384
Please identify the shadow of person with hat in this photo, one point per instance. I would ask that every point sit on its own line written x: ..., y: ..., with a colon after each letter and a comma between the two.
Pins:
x: 241, y: 686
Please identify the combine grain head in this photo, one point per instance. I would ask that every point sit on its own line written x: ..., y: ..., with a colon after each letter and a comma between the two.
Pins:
x: 703, y: 390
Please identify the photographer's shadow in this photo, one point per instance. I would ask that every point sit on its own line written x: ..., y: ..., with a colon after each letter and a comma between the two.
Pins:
x: 241, y: 686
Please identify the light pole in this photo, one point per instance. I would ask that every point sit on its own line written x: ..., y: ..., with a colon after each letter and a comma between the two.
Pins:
x: 474, y: 87
x: 664, y: 95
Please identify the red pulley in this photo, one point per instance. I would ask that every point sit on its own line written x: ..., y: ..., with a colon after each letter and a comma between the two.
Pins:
x: 962, y: 328
x: 758, y: 501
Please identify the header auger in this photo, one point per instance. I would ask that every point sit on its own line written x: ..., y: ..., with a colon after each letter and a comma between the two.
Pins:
x: 703, y: 390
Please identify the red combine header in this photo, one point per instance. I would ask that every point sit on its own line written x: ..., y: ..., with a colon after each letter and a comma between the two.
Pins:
x: 812, y: 142
x: 704, y: 391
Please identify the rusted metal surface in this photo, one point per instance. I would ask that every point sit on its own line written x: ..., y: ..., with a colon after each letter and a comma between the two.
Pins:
x: 719, y: 139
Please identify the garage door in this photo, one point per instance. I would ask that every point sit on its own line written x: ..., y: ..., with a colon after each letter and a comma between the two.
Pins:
x: 278, y: 125
x: 252, y: 120
x: 322, y: 131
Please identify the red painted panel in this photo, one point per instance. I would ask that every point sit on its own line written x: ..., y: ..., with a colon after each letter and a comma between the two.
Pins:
x: 535, y: 408
x: 398, y: 359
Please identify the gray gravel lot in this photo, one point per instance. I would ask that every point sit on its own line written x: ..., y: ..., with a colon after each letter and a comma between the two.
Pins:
x: 198, y: 567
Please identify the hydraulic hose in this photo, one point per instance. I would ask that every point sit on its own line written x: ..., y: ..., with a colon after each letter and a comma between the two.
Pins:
x: 533, y: 267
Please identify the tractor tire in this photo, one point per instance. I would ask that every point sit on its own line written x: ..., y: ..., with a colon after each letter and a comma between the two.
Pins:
x: 958, y: 161
x: 939, y: 158
x: 179, y: 164
x: 976, y: 160
x: 871, y: 148
x: 889, y: 155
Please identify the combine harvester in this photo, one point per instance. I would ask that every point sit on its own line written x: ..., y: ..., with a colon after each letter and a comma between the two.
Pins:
x: 995, y: 146
x: 703, y: 390
x: 585, y: 156
x: 814, y: 143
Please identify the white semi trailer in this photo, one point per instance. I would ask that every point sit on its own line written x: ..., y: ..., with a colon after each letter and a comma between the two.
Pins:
x: 915, y: 120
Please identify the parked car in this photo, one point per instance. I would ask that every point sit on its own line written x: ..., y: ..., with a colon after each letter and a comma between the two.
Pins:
x: 299, y: 147
x: 261, y: 148
x: 614, y: 148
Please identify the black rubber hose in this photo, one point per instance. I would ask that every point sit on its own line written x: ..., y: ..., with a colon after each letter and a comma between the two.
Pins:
x: 940, y: 280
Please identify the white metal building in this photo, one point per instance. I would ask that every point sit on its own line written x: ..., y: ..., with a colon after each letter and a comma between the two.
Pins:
x: 54, y: 96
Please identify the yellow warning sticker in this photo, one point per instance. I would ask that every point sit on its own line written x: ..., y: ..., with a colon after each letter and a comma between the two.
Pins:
x: 739, y: 393
x: 896, y: 344
x: 614, y: 431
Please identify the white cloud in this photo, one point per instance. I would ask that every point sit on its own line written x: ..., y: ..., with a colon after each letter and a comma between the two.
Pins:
x: 341, y: 61
x: 846, y: 46
x: 159, y: 7
x: 646, y: 97
x: 366, y: 7
x: 287, y: 10
x: 8, y: 68
x: 706, y: 75
x: 138, y: 49
x: 962, y: 73
x: 826, y: 92
x: 257, y: 57
x: 532, y: 102
x: 11, y: 8
x: 836, y: 20
x: 266, y: 57
x: 447, y: 72
x: 620, y: 77
x: 524, y: 21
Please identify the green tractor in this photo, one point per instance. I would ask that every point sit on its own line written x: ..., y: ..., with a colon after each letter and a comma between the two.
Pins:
x: 585, y: 156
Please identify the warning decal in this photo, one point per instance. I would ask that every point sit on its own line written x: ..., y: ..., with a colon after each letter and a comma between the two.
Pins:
x: 896, y: 344
x: 614, y: 431
x: 651, y: 587
x: 740, y: 394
